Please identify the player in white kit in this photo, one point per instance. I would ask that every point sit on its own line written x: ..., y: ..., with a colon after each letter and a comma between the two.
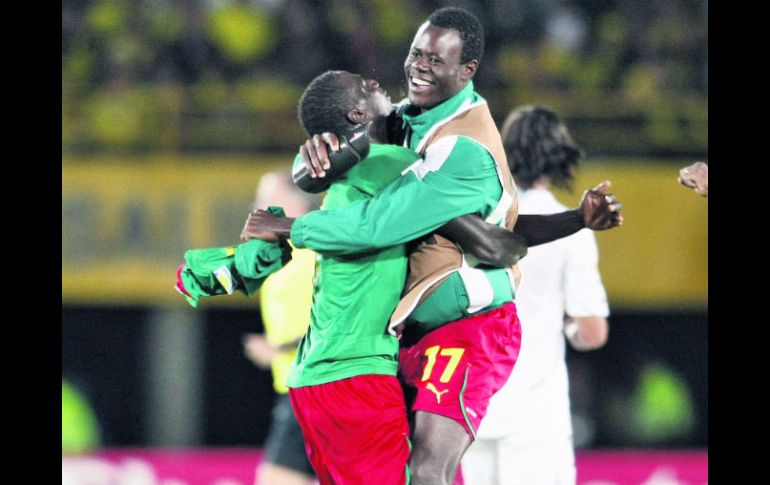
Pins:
x: 526, y: 437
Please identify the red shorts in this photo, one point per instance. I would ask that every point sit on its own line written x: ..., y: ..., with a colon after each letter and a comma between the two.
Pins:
x: 458, y: 367
x: 356, y: 430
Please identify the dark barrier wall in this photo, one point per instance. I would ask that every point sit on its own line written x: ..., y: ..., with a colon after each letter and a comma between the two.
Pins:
x: 646, y: 388
x: 104, y: 354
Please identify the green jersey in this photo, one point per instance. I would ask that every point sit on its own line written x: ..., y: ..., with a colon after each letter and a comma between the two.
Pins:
x: 456, y: 176
x: 349, y: 316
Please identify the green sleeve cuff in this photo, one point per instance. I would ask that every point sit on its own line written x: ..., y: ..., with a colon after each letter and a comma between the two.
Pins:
x: 297, y: 233
x: 255, y: 260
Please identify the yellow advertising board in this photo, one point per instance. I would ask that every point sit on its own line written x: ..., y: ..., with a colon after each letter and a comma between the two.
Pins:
x: 126, y: 224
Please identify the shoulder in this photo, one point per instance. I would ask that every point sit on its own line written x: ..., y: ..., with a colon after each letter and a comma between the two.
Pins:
x: 458, y: 152
x: 383, y: 152
x: 383, y: 165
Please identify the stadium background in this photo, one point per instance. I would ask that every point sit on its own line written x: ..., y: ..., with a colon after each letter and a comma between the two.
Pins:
x: 172, y: 110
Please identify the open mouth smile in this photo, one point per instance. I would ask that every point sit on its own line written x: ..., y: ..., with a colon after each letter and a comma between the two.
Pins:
x: 418, y: 84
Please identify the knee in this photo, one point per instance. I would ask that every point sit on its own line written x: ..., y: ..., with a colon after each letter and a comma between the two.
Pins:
x: 431, y: 470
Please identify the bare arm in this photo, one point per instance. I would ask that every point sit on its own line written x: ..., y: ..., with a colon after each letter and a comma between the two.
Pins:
x: 263, y: 225
x: 489, y: 243
x: 496, y: 246
x: 586, y: 333
x: 599, y: 210
x: 261, y: 352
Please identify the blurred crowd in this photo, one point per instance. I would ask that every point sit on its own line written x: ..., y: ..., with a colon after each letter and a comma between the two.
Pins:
x: 191, y: 76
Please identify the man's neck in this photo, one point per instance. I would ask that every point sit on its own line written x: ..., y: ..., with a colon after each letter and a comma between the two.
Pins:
x: 423, y: 110
x: 378, y: 130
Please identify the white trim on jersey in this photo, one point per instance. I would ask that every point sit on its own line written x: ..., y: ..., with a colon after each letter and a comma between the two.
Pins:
x: 467, y: 105
x: 435, y: 156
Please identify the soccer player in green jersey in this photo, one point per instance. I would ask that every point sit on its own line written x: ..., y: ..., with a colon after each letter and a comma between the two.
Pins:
x: 458, y: 175
x: 343, y: 385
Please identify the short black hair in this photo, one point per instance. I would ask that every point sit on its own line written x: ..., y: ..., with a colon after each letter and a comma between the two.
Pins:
x: 468, y: 25
x: 324, y: 105
x: 537, y: 143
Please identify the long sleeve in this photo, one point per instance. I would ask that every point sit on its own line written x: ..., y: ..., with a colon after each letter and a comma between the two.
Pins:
x: 584, y: 292
x: 457, y: 177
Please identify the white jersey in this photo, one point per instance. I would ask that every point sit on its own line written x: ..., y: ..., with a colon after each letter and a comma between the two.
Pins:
x: 531, y: 411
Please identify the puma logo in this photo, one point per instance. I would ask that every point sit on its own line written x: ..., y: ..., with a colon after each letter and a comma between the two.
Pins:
x: 435, y: 391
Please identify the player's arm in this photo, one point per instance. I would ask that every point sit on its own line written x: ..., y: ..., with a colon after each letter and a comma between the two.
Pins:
x: 348, y: 152
x: 598, y: 210
x: 585, y: 299
x: 490, y: 244
x: 586, y: 333
x: 405, y: 210
x: 315, y: 154
x: 261, y: 352
x: 313, y: 183
x: 496, y: 246
x: 417, y: 203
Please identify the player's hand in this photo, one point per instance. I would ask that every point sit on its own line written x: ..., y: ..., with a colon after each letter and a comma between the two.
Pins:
x: 600, y: 208
x: 263, y: 225
x: 315, y: 156
x: 696, y: 176
x: 259, y: 350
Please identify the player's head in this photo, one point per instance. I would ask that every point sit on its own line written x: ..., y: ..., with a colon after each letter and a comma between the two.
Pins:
x: 537, y: 144
x: 339, y: 102
x: 277, y: 188
x: 444, y: 56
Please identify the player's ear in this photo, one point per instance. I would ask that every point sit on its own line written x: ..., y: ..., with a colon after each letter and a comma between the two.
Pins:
x: 356, y: 116
x: 469, y: 70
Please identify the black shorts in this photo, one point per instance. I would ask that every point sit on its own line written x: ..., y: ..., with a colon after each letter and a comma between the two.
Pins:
x: 285, y: 445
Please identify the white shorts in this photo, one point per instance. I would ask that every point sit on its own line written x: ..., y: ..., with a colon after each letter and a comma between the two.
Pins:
x: 511, y: 461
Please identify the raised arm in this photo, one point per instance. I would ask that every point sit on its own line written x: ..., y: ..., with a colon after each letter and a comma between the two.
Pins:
x: 598, y: 210
x: 490, y: 244
x: 496, y: 246
x: 349, y: 152
x: 429, y: 194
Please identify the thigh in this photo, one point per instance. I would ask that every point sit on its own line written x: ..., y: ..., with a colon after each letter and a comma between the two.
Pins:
x: 285, y: 445
x: 457, y: 368
x: 356, y: 429
x: 438, y: 445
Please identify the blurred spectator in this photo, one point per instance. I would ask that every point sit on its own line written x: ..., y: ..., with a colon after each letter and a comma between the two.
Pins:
x: 630, y: 53
x: 661, y: 406
x: 566, y: 27
x: 526, y: 437
x: 285, y: 299
x: 653, y: 405
x: 79, y: 427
